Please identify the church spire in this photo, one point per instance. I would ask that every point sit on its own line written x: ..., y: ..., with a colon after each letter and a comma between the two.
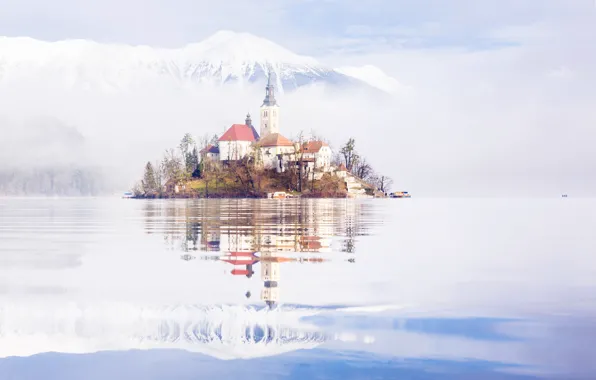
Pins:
x: 248, y: 120
x: 269, y: 93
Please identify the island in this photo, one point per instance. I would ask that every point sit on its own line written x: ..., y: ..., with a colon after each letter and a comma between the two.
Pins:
x: 242, y: 163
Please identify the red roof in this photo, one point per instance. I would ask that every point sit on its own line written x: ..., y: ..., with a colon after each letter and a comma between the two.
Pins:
x: 240, y: 272
x: 313, y: 146
x: 342, y: 168
x: 275, y: 139
x: 240, y: 132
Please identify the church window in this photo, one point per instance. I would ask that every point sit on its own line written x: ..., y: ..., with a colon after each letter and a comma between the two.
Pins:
x: 274, y: 113
x: 265, y: 114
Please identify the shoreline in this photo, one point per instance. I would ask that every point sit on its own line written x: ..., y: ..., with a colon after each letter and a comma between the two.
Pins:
x: 233, y: 196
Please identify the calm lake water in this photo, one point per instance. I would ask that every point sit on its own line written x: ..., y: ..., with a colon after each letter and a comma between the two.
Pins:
x: 290, y: 289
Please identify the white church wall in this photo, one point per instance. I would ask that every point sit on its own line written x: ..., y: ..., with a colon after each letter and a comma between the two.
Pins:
x: 233, y: 150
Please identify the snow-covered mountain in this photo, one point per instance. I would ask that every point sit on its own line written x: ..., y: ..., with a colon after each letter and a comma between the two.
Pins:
x: 225, y: 57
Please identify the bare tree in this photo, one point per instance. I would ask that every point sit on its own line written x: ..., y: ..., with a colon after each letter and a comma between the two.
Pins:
x: 337, y: 159
x: 299, y: 156
x: 157, y: 166
x: 172, y: 166
x: 218, y: 175
x: 384, y: 183
x: 204, y: 141
x: 363, y: 170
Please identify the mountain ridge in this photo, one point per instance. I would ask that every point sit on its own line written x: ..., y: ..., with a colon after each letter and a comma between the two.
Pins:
x: 224, y: 57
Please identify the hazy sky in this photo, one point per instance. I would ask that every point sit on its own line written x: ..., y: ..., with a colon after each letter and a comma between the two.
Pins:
x: 497, y: 95
x: 309, y: 24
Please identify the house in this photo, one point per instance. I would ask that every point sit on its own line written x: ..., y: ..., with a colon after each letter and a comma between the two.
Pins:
x: 275, y: 150
x: 237, y: 141
x: 210, y: 153
x: 341, y: 171
x: 319, y: 153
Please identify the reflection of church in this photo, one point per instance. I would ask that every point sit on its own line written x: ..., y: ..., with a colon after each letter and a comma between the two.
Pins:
x: 244, y: 263
x: 270, y: 275
x: 260, y: 235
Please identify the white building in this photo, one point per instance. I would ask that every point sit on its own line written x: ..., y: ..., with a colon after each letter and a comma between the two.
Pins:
x: 319, y: 152
x: 275, y: 150
x: 237, y: 141
x: 269, y: 111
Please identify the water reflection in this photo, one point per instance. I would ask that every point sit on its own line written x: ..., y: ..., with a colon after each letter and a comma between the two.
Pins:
x: 304, y: 289
x: 262, y: 234
x: 261, y: 225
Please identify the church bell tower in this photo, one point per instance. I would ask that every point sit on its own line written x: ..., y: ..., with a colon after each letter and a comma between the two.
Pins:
x: 269, y: 111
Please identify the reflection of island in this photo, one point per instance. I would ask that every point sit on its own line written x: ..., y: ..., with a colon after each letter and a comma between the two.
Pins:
x: 242, y: 225
x: 251, y: 234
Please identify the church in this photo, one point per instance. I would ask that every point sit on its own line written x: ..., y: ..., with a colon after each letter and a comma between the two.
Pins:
x: 270, y: 148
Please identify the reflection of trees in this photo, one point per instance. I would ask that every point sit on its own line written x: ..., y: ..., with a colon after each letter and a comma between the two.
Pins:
x: 256, y: 225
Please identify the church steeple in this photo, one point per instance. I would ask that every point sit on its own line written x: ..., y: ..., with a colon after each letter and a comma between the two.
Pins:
x: 248, y: 120
x: 269, y: 93
x: 269, y: 111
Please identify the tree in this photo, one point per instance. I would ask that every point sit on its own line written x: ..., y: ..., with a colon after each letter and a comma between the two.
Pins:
x: 299, y: 154
x: 192, y: 162
x: 158, y: 173
x: 349, y: 154
x: 186, y: 143
x: 214, y: 140
x: 137, y: 189
x: 384, y: 183
x: 363, y: 170
x: 188, y: 150
x: 172, y: 166
x: 219, y: 175
x: 149, y: 181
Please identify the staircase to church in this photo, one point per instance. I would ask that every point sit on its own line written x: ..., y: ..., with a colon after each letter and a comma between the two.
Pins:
x: 355, y: 187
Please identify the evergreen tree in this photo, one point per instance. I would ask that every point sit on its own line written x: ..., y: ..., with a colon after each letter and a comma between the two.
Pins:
x: 349, y: 154
x: 149, y: 181
x: 194, y: 163
x: 187, y: 154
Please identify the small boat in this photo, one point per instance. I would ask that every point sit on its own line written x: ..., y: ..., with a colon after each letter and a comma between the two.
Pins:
x: 400, y: 194
x: 128, y: 195
x: 280, y: 195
